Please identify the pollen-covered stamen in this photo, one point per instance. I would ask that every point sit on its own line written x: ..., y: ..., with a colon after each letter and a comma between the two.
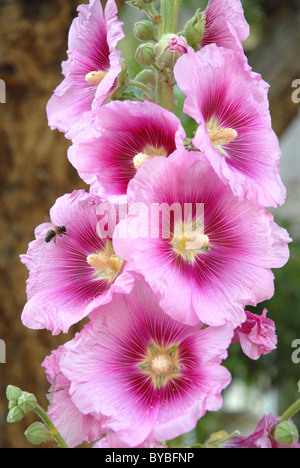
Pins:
x: 223, y: 136
x: 220, y: 136
x: 95, y: 77
x: 148, y: 152
x: 161, y: 363
x: 190, y: 241
x: 140, y: 159
x: 106, y: 263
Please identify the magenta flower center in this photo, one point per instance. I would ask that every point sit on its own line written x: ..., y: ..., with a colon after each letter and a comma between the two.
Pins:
x: 220, y: 136
x: 148, y: 152
x: 161, y: 364
x: 106, y: 263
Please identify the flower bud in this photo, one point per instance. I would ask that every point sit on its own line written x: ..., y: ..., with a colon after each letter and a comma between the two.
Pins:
x: 286, y: 433
x: 144, y: 31
x: 170, y: 48
x: 37, y: 433
x: 194, y: 29
x: 145, y: 54
x: 13, y: 393
x: 27, y: 402
x: 15, y: 415
x: 147, y: 77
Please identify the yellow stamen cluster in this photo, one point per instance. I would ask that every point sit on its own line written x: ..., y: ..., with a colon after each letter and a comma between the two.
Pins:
x: 95, y: 77
x: 190, y: 241
x: 161, y: 363
x: 148, y: 153
x: 220, y: 136
x: 107, y: 264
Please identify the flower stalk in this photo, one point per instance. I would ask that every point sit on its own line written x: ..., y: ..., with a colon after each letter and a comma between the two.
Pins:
x: 53, y: 431
x: 290, y: 412
x: 169, y: 11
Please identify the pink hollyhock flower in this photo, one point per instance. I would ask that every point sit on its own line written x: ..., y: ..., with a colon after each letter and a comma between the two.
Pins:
x: 230, y: 104
x: 74, y: 426
x: 262, y: 437
x: 91, y: 70
x: 257, y: 335
x: 151, y: 376
x: 77, y: 270
x: 126, y: 135
x: 202, y: 269
x: 225, y: 24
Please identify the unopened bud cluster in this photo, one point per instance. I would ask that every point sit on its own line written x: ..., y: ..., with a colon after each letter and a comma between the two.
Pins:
x: 170, y: 46
x: 19, y: 403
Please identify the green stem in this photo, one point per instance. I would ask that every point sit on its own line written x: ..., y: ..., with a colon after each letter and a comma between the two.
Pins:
x: 169, y: 11
x: 290, y: 412
x: 152, y: 12
x: 165, y: 94
x: 140, y: 86
x: 55, y: 434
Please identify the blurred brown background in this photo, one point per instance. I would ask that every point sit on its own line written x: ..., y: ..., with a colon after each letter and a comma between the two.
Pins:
x: 34, y: 169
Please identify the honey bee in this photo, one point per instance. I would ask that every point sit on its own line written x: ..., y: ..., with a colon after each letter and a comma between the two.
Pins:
x: 56, y: 231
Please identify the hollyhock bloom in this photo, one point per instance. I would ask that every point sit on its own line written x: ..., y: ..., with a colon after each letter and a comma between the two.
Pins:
x: 257, y: 335
x: 126, y: 135
x: 225, y: 24
x: 75, y: 271
x: 202, y: 269
x: 262, y: 436
x: 91, y: 70
x: 151, y: 376
x: 230, y: 104
x: 74, y: 426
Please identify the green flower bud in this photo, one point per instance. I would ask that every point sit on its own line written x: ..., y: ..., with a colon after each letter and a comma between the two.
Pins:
x: 37, y: 433
x: 286, y: 433
x: 145, y: 54
x: 147, y: 77
x: 145, y: 31
x: 27, y: 402
x: 15, y: 415
x: 13, y: 393
x: 194, y: 29
x: 170, y: 48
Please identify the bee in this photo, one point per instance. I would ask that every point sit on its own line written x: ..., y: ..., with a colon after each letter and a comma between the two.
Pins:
x: 56, y: 231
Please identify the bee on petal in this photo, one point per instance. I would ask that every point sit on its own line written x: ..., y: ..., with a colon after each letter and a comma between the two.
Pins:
x: 56, y: 231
